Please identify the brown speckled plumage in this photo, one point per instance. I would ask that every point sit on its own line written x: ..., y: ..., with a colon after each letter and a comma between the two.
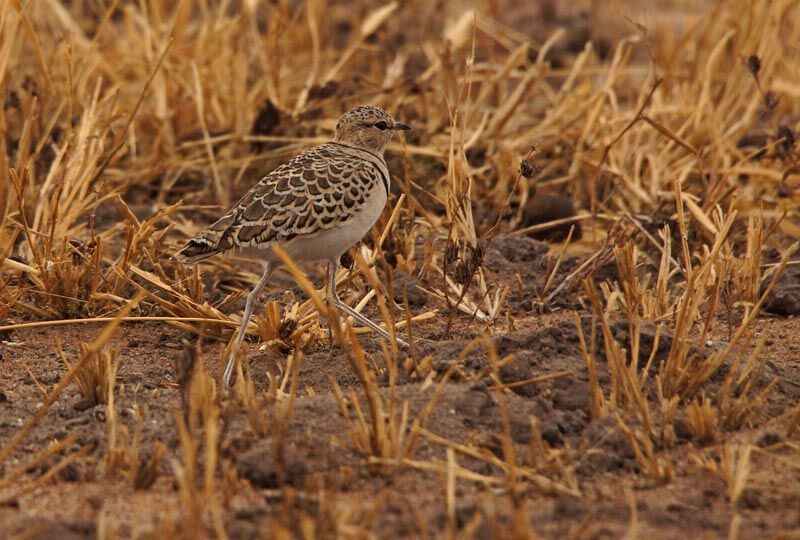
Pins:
x: 319, y: 189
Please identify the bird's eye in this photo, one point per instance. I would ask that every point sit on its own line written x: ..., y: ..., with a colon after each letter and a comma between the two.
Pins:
x: 381, y: 126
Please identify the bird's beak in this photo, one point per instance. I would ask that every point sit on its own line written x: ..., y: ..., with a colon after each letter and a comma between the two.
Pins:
x: 400, y: 125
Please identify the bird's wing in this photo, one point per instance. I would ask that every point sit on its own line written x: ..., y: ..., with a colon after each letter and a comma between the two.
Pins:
x: 317, y: 190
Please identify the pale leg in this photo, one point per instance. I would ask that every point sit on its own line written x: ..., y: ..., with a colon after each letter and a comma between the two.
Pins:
x: 341, y: 306
x: 249, y: 306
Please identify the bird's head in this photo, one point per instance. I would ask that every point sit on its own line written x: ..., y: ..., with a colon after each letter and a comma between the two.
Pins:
x: 367, y: 127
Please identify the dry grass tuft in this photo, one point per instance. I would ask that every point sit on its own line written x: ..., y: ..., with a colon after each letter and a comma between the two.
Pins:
x: 96, y: 378
x: 199, y: 430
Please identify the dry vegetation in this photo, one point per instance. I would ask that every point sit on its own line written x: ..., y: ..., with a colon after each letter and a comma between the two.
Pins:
x: 623, y: 379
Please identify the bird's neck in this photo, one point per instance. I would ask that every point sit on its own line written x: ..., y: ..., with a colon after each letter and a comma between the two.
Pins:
x: 356, y: 146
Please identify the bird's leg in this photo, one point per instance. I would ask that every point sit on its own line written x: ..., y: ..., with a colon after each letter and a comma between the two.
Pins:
x: 249, y: 306
x: 341, y: 306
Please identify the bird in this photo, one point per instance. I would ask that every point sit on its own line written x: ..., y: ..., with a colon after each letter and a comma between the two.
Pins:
x: 315, y: 206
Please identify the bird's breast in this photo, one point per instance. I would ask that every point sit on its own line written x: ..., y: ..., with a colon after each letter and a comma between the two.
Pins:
x: 330, y: 243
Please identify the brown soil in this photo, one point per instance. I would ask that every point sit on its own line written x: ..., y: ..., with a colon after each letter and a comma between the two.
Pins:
x: 319, y: 471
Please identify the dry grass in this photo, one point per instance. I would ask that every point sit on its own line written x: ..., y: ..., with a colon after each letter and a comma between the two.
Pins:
x: 125, y: 126
x: 96, y: 379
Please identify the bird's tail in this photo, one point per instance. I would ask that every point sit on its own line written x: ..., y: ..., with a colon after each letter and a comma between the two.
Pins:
x: 217, y: 238
x: 196, y: 250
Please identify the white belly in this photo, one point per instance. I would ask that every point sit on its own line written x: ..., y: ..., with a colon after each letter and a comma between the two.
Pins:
x: 331, y: 243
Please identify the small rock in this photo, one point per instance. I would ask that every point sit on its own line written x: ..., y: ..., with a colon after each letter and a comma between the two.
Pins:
x: 769, y: 438
x: 259, y: 466
x: 547, y: 207
x: 785, y: 297
x: 647, y: 339
x: 682, y: 430
x: 677, y: 508
x: 550, y: 433
x: 83, y: 405
x: 404, y: 282
x: 751, y: 498
x: 70, y: 473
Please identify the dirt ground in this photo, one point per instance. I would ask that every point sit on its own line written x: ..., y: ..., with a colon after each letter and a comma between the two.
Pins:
x: 320, y: 469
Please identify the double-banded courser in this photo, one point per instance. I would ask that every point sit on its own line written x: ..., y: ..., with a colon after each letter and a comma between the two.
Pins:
x: 315, y: 206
